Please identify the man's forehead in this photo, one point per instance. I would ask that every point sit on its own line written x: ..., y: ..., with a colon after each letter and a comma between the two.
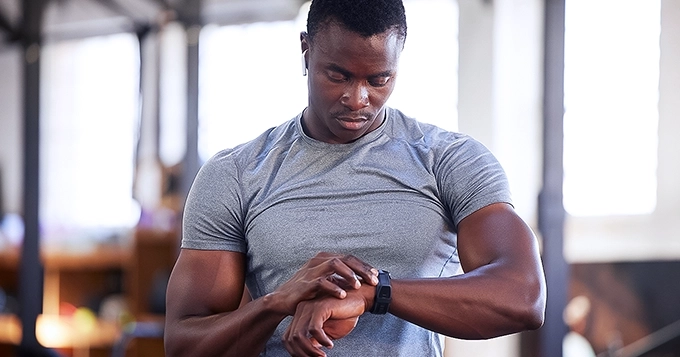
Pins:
x: 332, y: 27
x: 338, y: 39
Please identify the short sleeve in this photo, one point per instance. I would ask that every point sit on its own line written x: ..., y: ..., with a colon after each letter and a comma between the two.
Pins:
x: 213, y: 213
x: 469, y: 177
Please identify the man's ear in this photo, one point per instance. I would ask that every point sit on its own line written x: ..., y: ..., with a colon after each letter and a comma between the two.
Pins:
x: 304, y: 41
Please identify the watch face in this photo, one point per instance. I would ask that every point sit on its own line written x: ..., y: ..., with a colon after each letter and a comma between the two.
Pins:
x: 384, y: 293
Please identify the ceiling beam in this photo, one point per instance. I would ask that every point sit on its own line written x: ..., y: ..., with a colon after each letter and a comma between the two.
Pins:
x: 142, y: 27
x: 164, y: 4
x: 189, y: 12
x: 118, y: 8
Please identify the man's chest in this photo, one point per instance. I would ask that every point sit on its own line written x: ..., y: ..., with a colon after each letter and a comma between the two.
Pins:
x: 405, y: 233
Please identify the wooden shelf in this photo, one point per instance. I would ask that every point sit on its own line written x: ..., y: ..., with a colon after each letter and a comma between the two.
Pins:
x: 54, y: 331
x: 107, y: 257
x: 75, y: 278
x: 103, y: 258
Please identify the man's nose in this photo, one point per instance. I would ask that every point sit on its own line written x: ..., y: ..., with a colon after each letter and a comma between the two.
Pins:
x: 355, y: 97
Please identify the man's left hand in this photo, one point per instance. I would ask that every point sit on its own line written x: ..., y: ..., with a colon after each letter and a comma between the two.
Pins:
x: 319, y: 321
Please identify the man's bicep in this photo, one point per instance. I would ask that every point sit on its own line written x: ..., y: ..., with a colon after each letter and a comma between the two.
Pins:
x: 205, y: 282
x: 494, y: 234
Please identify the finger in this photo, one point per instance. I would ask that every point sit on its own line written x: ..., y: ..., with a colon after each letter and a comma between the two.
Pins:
x: 296, y: 338
x: 292, y: 342
x: 315, y: 329
x: 332, y: 289
x: 333, y: 275
x: 342, y: 282
x: 323, y: 286
x: 347, y: 266
x: 298, y: 350
x: 342, y: 272
x: 308, y: 321
x: 306, y: 347
x: 368, y: 273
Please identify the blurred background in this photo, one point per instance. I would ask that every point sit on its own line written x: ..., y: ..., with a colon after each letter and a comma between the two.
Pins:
x: 109, y: 107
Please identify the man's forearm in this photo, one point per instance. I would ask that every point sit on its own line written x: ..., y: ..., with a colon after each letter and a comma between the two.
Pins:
x: 243, y: 332
x: 476, y: 305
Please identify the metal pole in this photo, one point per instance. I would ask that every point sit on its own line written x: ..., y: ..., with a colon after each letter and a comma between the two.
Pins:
x: 551, y: 210
x: 30, y: 268
x: 190, y: 15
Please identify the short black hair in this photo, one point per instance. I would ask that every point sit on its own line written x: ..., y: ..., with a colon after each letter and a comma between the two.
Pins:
x: 365, y: 17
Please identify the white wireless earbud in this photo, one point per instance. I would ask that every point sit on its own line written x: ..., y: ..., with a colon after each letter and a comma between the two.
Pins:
x: 304, y: 63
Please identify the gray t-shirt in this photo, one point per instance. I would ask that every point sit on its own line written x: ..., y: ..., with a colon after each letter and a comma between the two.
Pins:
x: 393, y: 198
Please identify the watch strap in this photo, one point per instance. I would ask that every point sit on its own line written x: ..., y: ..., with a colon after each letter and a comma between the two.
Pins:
x: 383, y: 294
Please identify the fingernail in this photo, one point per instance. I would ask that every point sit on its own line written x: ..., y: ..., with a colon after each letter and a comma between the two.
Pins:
x: 374, y: 271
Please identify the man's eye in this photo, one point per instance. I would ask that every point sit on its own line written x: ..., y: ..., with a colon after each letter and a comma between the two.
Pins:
x: 336, y: 77
x: 379, y: 82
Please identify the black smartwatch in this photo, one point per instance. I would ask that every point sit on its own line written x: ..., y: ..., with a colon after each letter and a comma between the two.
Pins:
x: 383, y: 294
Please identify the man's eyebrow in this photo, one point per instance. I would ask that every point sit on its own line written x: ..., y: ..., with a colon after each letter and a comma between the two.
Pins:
x: 387, y: 73
x: 344, y: 72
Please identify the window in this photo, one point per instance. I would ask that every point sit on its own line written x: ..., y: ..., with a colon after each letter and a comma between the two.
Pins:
x: 250, y: 80
x: 611, y: 101
x: 89, y: 115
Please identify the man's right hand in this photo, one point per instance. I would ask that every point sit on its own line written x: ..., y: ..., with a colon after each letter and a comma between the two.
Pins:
x: 326, y: 274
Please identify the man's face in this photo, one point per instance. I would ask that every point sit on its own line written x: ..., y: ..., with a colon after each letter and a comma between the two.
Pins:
x: 350, y: 79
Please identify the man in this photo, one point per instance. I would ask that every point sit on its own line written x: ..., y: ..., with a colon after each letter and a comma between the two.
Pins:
x: 305, y: 214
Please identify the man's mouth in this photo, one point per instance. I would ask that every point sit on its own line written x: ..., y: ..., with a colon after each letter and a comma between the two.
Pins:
x: 352, y: 123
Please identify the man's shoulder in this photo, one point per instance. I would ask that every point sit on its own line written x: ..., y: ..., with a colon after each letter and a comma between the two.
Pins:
x: 415, y: 130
